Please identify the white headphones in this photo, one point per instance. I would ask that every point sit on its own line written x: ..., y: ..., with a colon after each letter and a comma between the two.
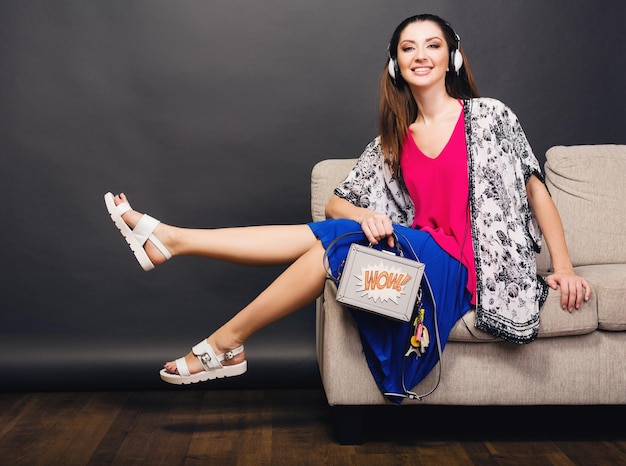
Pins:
x: 456, y: 60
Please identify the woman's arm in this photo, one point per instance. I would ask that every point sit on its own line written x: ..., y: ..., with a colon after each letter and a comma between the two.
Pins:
x: 375, y: 225
x: 573, y: 287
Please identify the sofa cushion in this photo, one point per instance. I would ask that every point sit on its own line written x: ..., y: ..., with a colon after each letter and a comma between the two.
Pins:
x: 587, y: 185
x: 553, y: 322
x: 606, y: 310
x: 609, y: 287
x: 465, y: 331
x: 557, y: 322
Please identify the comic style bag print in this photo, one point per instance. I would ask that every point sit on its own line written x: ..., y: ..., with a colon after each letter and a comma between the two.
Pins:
x: 380, y: 281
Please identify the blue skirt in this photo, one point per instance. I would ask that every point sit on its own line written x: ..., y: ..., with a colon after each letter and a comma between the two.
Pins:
x: 386, y: 341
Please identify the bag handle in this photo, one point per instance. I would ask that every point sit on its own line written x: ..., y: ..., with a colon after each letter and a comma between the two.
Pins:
x: 329, y: 275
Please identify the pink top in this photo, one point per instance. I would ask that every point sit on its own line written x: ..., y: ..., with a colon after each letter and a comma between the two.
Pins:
x: 440, y: 191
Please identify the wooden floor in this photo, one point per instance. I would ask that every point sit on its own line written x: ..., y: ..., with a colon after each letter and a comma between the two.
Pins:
x: 293, y: 427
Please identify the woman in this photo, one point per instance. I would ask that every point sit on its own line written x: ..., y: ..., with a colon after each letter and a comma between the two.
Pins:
x: 452, y: 174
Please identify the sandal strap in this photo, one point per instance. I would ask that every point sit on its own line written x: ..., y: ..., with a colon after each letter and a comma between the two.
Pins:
x: 144, y: 229
x: 181, y: 366
x: 209, y: 359
x: 160, y: 246
x: 123, y: 207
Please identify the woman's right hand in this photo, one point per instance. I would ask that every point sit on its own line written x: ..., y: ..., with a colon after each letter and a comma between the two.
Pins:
x: 377, y: 226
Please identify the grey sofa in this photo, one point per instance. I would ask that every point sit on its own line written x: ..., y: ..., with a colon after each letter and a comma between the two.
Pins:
x: 578, y: 358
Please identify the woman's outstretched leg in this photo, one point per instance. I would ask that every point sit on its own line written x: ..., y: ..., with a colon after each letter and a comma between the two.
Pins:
x: 297, y: 286
x: 221, y: 354
x: 255, y: 245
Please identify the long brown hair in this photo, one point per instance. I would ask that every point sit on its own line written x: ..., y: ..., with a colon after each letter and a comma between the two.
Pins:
x: 398, y: 108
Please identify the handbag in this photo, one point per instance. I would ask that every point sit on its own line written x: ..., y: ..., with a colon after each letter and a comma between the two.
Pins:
x: 386, y: 283
x: 378, y: 280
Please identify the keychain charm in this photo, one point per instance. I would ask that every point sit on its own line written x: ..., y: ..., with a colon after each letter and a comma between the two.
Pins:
x: 420, y: 339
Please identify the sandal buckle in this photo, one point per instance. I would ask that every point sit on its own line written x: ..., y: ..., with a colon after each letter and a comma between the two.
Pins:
x: 205, y: 359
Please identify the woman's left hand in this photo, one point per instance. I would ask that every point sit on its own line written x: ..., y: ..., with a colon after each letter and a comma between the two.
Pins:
x: 574, y: 289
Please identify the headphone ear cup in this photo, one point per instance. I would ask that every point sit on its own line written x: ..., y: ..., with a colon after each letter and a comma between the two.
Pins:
x: 394, y: 71
x: 391, y: 69
x: 457, y: 60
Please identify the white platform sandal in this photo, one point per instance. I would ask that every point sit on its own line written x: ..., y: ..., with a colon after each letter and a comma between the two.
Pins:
x: 211, y: 363
x: 137, y: 237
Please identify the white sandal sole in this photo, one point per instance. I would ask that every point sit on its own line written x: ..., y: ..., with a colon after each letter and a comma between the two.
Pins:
x: 226, y: 371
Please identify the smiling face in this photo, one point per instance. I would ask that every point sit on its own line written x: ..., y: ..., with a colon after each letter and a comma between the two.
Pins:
x: 423, y: 55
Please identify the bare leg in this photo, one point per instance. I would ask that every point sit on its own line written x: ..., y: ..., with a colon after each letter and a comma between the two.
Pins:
x: 256, y: 245
x: 297, y: 286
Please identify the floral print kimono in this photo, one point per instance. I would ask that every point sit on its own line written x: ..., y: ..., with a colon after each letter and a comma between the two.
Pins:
x: 505, y: 235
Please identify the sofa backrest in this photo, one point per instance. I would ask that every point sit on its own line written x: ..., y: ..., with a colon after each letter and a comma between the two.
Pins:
x: 325, y: 176
x: 588, y: 186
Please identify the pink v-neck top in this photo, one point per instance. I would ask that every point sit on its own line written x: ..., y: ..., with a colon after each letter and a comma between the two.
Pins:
x: 439, y: 189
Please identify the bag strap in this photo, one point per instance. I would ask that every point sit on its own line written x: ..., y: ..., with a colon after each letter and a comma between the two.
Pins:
x: 407, y: 393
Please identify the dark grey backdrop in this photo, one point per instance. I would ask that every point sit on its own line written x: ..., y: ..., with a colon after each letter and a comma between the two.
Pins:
x: 211, y: 113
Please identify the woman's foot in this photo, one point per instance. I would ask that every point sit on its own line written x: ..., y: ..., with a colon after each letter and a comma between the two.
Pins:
x: 150, y: 240
x: 206, y: 361
x: 194, y: 364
